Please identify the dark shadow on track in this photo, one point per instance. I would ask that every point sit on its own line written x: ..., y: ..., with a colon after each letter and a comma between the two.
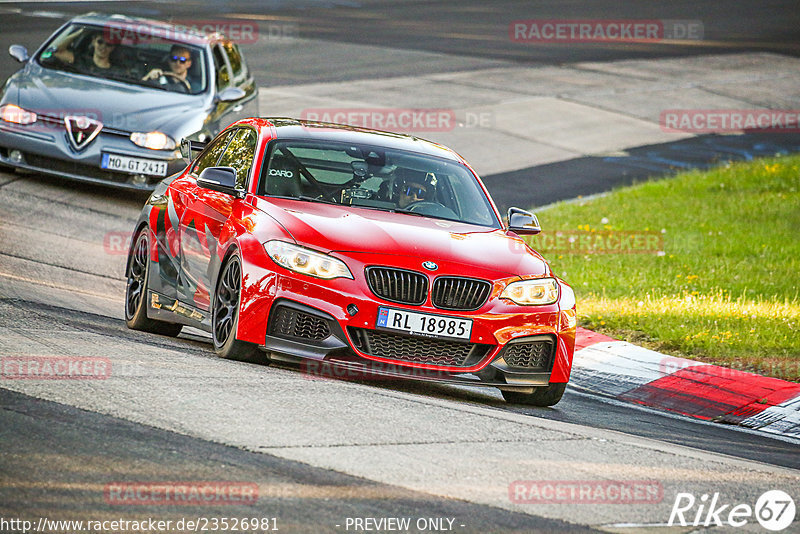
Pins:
x: 564, y: 180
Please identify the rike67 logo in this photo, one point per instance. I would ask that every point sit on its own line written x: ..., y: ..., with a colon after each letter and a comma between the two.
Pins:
x: 774, y: 510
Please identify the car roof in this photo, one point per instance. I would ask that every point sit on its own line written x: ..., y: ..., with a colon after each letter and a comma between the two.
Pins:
x: 184, y: 33
x: 297, y: 129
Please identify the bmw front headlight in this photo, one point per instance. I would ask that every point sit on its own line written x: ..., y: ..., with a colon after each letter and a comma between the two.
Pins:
x: 306, y: 261
x: 153, y: 140
x: 532, y: 292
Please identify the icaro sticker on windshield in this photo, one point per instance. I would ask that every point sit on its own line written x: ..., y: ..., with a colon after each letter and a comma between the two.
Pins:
x: 281, y: 172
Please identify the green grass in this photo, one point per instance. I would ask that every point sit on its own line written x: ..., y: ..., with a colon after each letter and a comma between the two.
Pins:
x: 725, y: 287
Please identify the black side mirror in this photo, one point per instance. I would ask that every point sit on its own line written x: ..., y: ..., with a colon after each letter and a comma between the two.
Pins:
x: 231, y: 94
x: 19, y: 52
x: 523, y: 222
x: 222, y: 179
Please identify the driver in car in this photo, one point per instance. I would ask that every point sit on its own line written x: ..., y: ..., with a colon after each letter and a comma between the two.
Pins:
x: 179, y: 61
x: 414, y: 186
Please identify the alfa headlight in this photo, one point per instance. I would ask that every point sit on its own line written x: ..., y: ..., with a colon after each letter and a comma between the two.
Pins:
x: 17, y: 115
x: 153, y: 140
x: 532, y: 292
x: 306, y: 261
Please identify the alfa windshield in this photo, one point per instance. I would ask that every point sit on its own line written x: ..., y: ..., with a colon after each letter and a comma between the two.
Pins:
x: 139, y: 59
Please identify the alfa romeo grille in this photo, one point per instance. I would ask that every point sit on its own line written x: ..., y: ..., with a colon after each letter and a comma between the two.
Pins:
x: 287, y: 322
x: 455, y: 293
x: 398, y: 285
x: 417, y: 349
x: 532, y: 355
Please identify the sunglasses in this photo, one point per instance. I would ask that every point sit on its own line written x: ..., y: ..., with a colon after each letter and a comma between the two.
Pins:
x: 180, y: 59
x: 104, y: 43
x: 415, y: 190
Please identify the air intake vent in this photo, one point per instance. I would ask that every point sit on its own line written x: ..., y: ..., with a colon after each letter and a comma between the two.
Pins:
x: 417, y: 349
x: 398, y: 285
x: 532, y: 355
x: 286, y: 322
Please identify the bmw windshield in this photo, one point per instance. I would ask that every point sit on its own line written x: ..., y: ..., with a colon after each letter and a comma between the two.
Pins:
x: 378, y: 178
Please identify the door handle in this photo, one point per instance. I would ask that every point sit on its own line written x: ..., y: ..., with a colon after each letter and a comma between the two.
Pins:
x: 237, y: 109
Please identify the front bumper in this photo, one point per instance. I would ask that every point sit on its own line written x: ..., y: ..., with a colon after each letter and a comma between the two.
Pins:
x: 46, y: 150
x: 318, y: 341
x: 337, y: 325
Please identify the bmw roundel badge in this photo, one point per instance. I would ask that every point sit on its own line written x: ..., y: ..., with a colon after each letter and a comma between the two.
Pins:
x: 430, y: 265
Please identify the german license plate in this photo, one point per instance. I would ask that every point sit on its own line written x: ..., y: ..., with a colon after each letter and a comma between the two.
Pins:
x: 424, y: 324
x: 115, y: 162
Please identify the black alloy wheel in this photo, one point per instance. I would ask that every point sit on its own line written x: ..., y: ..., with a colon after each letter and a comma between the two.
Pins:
x: 225, y: 317
x: 136, y: 290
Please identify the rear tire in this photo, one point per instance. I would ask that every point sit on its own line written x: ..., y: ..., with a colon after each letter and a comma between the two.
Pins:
x: 136, y: 290
x: 541, y: 396
x: 225, y: 319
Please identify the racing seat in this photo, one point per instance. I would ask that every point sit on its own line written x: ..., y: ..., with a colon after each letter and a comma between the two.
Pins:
x: 283, y: 177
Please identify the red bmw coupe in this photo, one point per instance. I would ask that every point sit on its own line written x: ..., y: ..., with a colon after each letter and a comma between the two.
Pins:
x: 309, y: 242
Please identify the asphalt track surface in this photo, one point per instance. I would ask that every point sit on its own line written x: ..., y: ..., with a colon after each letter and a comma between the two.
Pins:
x: 471, y: 29
x: 54, y: 457
x: 302, y: 498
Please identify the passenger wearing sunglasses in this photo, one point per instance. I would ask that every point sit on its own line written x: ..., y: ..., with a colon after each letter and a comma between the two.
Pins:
x: 101, y: 49
x: 179, y: 61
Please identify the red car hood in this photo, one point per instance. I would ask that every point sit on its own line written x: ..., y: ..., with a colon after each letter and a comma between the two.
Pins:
x: 345, y: 229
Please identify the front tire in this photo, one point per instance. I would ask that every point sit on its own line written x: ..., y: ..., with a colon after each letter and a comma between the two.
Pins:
x: 225, y: 318
x: 541, y: 396
x: 136, y: 290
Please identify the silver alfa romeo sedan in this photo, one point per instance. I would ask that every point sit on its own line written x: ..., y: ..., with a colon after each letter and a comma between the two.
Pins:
x: 108, y: 98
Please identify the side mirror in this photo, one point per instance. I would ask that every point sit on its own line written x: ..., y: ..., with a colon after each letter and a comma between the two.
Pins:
x: 231, y: 94
x: 222, y: 179
x: 190, y: 148
x: 523, y: 222
x: 19, y: 52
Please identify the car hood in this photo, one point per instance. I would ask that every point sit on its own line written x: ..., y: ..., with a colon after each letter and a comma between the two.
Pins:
x: 117, y: 105
x: 360, y: 230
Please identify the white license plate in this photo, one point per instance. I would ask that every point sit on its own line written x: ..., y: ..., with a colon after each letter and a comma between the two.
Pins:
x: 424, y: 324
x: 115, y: 162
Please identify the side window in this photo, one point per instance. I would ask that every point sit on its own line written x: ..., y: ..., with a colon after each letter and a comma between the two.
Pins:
x: 212, y: 153
x: 240, y: 154
x: 221, y: 66
x: 234, y: 58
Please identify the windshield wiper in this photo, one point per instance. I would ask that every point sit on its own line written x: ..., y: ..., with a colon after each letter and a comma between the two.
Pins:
x: 315, y: 199
x: 408, y: 212
x: 55, y: 64
x: 390, y: 210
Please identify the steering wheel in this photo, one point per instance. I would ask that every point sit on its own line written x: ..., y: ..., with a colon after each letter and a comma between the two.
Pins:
x: 432, y: 209
x: 178, y: 82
